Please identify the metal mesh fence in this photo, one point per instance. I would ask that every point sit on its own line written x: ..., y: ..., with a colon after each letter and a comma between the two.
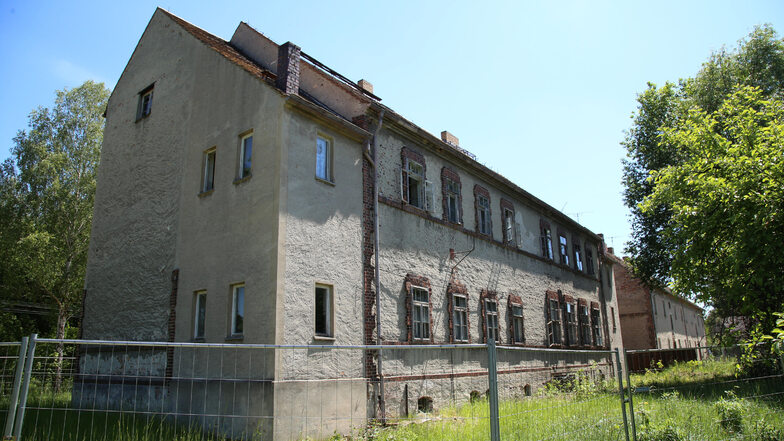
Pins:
x: 97, y: 390
x: 708, y: 394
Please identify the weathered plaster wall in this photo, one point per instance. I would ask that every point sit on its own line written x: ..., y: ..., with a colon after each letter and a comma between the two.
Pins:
x: 133, y: 240
x: 323, y: 238
x: 677, y: 324
x: 230, y: 235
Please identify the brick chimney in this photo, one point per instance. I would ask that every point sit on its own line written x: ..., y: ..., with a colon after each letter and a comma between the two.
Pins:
x: 365, y: 85
x: 450, y: 138
x: 288, y: 68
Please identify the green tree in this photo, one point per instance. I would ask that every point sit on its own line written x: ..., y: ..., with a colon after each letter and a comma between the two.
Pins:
x: 47, y: 189
x: 758, y: 61
x: 726, y: 202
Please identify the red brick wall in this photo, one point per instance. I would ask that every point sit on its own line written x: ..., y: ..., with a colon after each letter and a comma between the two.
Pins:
x: 634, y: 310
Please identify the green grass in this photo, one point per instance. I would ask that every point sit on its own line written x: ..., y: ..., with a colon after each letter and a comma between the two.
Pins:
x: 688, y: 401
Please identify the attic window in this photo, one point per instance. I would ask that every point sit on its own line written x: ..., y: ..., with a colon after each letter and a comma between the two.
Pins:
x: 145, y: 103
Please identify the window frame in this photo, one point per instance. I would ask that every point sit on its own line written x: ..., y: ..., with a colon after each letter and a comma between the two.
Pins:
x: 199, y: 314
x: 508, y: 223
x: 491, y: 320
x: 546, y: 239
x: 328, y: 159
x: 554, y: 320
x: 578, y: 255
x: 329, y: 305
x: 208, y: 169
x: 570, y: 319
x: 483, y: 209
x: 234, y: 332
x: 242, y: 172
x: 516, y: 321
x: 144, y: 106
x: 596, y: 325
x: 423, y: 306
x: 584, y: 319
x: 589, y: 261
x: 563, y: 248
x: 461, y: 311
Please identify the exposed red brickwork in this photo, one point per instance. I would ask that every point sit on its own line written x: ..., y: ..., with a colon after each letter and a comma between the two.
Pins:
x: 479, y: 190
x: 448, y: 173
x: 489, y: 295
x: 422, y: 282
x: 368, y: 272
x: 634, y: 308
x: 288, y: 68
x: 455, y: 287
x: 175, y: 277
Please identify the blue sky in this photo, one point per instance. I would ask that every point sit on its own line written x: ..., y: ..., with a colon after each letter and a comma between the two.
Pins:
x: 540, y: 91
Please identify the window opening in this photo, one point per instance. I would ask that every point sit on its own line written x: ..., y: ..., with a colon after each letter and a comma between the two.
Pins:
x: 246, y: 154
x: 237, y: 309
x: 323, y: 159
x: 200, y: 311
x: 323, y: 311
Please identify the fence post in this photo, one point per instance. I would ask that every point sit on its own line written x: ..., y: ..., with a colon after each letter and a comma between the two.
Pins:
x: 631, y: 395
x: 28, y: 369
x: 20, y: 362
x: 492, y: 378
x: 620, y: 391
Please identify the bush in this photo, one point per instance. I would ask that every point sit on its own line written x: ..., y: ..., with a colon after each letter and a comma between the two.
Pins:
x: 666, y: 431
x: 762, y: 431
x: 730, y: 412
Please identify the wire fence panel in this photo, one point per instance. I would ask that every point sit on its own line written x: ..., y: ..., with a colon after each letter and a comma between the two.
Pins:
x: 558, y: 394
x: 713, y: 395
x: 9, y: 358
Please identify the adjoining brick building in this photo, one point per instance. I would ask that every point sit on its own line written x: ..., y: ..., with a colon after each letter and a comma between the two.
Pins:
x: 239, y: 190
x: 654, y: 318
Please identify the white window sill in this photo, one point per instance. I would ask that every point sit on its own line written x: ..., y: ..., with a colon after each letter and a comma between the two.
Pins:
x: 323, y: 338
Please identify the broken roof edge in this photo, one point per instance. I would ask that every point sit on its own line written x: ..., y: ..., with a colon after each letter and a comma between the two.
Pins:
x: 331, y: 74
x: 221, y: 46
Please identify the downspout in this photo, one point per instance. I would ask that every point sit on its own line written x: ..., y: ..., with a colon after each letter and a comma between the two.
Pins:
x: 376, y: 274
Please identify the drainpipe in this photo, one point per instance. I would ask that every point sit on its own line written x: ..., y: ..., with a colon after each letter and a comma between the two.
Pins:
x: 381, y: 400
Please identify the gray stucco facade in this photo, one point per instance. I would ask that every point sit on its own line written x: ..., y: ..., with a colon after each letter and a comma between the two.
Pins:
x: 166, y: 232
